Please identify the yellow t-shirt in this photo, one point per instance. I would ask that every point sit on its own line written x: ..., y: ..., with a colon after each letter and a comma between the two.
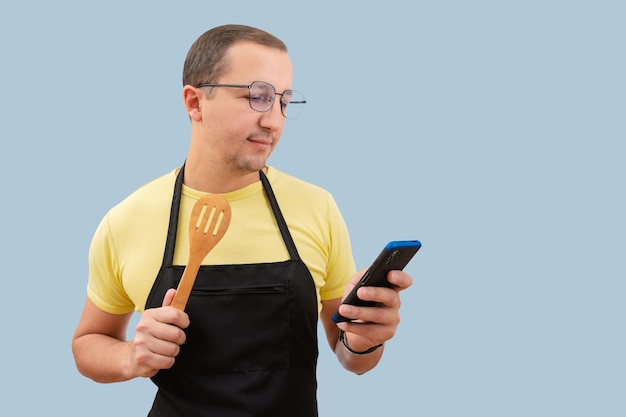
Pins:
x: 127, y: 248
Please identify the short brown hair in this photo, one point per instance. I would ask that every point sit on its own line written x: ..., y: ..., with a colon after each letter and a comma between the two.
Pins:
x: 205, y: 61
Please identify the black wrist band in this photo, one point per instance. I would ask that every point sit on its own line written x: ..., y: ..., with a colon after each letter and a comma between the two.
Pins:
x: 344, y: 340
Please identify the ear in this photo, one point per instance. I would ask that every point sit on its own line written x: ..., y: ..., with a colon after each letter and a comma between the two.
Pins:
x: 192, y: 98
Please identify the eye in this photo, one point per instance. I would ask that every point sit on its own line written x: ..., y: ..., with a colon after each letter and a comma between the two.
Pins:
x: 286, y: 98
x: 261, y: 98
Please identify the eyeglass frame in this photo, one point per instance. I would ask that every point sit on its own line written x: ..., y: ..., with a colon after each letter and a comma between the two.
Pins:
x: 249, y: 87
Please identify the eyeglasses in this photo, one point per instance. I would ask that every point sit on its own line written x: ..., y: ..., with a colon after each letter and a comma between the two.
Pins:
x: 262, y: 96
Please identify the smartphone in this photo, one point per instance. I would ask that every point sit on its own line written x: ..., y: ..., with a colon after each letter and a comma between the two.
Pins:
x: 394, y: 256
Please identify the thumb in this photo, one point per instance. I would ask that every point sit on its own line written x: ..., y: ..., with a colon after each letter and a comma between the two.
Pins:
x: 169, y: 296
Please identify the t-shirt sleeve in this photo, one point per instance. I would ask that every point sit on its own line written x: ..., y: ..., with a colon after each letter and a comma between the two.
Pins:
x: 105, y: 288
x: 341, y: 264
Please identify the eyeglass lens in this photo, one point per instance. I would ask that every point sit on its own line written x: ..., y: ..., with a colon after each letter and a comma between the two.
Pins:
x: 262, y: 96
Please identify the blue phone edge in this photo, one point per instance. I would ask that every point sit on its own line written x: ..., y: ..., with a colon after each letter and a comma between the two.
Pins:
x: 395, y: 244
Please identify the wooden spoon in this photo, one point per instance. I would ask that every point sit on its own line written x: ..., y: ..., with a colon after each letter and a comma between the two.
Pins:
x: 210, y: 218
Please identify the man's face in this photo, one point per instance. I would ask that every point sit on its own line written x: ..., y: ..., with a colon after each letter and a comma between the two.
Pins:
x: 239, y: 137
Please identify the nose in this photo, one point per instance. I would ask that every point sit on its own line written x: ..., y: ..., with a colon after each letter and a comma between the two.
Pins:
x: 273, y: 119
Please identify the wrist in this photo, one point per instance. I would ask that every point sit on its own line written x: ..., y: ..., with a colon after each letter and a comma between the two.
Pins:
x: 344, y: 340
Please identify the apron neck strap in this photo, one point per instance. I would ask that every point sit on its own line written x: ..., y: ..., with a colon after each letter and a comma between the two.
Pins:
x: 170, y: 241
x: 168, y: 255
x: 282, y: 224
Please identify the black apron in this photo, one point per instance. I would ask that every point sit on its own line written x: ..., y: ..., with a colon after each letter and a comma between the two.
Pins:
x: 251, y: 347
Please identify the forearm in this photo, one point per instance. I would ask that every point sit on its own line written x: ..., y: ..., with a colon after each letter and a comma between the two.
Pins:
x: 103, y: 358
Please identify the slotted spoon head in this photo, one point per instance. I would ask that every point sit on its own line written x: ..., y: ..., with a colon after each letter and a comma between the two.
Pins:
x: 209, y: 221
x: 210, y: 218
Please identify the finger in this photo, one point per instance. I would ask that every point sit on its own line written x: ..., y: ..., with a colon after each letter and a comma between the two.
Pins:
x: 371, y: 315
x: 357, y: 277
x: 149, y: 360
x: 168, y: 346
x: 400, y: 279
x: 367, y: 334
x: 168, y: 333
x: 354, y: 279
x: 170, y: 315
x: 169, y: 297
x: 381, y: 296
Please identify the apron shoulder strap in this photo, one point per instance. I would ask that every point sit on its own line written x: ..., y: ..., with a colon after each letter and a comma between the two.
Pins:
x: 168, y: 255
x: 170, y: 241
x: 282, y: 225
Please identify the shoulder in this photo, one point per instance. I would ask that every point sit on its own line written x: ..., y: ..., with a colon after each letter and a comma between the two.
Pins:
x: 293, y: 187
x: 152, y: 197
x: 304, y: 200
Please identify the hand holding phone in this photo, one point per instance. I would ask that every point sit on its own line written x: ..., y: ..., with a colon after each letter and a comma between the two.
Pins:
x: 394, y: 256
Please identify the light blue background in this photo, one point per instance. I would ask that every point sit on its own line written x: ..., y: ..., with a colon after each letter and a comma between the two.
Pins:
x: 493, y: 131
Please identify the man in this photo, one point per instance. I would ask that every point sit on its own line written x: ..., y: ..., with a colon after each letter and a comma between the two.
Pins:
x: 246, y: 344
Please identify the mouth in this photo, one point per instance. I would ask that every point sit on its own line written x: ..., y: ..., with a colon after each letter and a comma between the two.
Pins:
x: 261, y: 142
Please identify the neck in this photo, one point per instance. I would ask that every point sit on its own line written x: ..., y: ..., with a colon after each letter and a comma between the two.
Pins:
x: 217, y: 181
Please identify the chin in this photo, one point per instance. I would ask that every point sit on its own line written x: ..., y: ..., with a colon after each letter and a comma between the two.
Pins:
x: 252, y: 166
